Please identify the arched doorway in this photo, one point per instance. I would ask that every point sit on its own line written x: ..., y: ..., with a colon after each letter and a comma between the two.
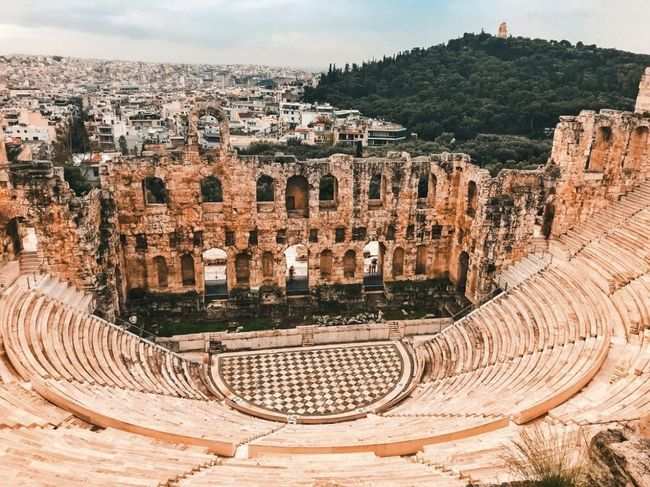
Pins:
x: 297, y: 197
x: 326, y: 259
x: 373, y: 266
x: 463, y: 269
x: 214, y: 274
x: 162, y: 272
x: 398, y: 262
x: 13, y: 232
x: 187, y: 270
x: 349, y: 264
x: 421, y: 260
x: 547, y: 224
x: 297, y: 273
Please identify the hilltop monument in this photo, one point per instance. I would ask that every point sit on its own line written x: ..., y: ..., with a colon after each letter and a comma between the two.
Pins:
x: 503, y: 31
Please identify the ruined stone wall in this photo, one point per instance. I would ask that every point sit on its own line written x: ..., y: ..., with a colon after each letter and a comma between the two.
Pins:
x: 432, y: 231
x: 68, y: 229
x: 596, y: 158
x: 643, y: 100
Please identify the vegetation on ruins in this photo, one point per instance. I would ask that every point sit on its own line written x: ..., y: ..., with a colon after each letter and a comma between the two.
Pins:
x: 542, y: 457
x: 483, y: 84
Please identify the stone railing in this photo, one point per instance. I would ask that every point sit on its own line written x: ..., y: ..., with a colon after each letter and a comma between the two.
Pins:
x: 303, y: 336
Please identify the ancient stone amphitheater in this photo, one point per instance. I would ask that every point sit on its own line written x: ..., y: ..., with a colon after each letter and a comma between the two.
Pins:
x: 84, y: 402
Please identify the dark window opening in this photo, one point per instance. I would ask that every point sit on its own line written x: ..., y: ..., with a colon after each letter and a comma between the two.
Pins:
x: 211, y: 190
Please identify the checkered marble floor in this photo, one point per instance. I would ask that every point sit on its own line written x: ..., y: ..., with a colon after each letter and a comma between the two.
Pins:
x: 313, y: 381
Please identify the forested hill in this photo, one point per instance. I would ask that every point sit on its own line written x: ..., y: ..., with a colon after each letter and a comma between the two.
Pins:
x: 482, y: 84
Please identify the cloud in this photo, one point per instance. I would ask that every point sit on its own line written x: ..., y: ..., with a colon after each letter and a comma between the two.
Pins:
x: 302, y: 32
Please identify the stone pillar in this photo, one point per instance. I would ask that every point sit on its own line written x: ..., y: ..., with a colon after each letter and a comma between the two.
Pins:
x: 643, y: 101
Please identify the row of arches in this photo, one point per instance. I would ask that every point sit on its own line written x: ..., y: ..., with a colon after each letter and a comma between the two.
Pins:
x: 297, y: 191
x: 215, y: 268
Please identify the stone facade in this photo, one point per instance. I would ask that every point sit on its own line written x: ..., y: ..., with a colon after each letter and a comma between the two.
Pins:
x: 431, y: 213
x: 597, y: 157
x: 180, y: 222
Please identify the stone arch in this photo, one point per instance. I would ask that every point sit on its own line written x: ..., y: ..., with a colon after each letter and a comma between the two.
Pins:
x: 297, y: 269
x: 328, y: 188
x: 211, y: 190
x: 375, y: 187
x: 373, y: 265
x: 472, y: 198
x: 155, y: 191
x: 421, y: 260
x: 326, y: 264
x: 188, y: 273
x: 267, y: 265
x: 463, y: 270
x: 215, y: 280
x: 549, y: 216
x: 265, y: 190
x: 600, y: 150
x: 297, y: 196
x: 162, y: 272
x: 398, y: 262
x: 350, y: 264
x: 243, y: 269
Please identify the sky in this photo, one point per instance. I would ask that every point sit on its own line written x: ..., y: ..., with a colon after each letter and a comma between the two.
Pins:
x: 301, y: 33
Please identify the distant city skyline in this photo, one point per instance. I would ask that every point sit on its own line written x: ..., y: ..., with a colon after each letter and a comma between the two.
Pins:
x: 301, y: 33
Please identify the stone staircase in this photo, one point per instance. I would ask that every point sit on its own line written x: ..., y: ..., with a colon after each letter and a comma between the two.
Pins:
x: 30, y: 262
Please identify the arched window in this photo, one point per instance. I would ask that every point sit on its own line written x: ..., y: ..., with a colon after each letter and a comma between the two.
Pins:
x: 161, y: 271
x: 421, y: 257
x: 243, y: 269
x: 265, y: 189
x: 297, y: 196
x: 433, y: 185
x: 472, y: 198
x: 423, y: 187
x: 155, y: 192
x: 349, y: 264
x: 267, y: 265
x: 374, y: 188
x: 327, y: 189
x: 211, y: 191
x: 187, y: 270
x: 326, y: 264
x: 398, y: 262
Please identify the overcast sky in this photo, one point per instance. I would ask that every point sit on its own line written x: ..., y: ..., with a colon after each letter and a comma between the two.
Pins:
x: 303, y: 33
